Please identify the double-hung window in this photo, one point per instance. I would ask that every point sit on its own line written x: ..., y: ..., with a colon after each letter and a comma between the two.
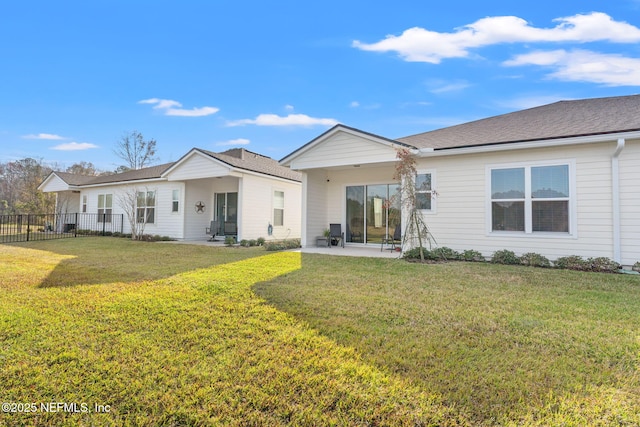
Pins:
x: 105, y: 207
x: 278, y: 208
x: 531, y: 198
x: 424, y: 191
x: 146, y: 207
x: 175, y: 201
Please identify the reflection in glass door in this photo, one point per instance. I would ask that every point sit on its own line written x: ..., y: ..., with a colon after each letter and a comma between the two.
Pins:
x: 373, y: 212
x: 226, y: 213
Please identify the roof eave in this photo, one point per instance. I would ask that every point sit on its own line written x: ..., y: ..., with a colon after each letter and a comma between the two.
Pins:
x: 521, y: 145
x: 286, y: 161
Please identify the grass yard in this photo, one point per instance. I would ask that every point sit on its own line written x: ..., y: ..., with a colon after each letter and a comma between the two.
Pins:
x: 105, y: 331
x: 177, y: 335
x: 501, y: 345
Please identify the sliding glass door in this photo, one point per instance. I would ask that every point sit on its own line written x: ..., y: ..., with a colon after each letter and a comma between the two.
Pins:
x: 226, y: 213
x: 373, y: 211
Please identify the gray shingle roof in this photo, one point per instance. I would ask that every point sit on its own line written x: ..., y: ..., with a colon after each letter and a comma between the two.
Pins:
x: 133, y: 175
x: 74, y: 179
x: 561, y: 119
x: 237, y: 158
x: 248, y: 160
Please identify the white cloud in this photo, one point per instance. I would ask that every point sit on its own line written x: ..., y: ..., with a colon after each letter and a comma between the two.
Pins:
x: 74, y: 146
x: 233, y: 142
x: 440, y: 86
x: 47, y: 136
x: 421, y: 45
x: 290, y: 120
x: 288, y: 107
x: 584, y: 66
x: 354, y: 104
x: 168, y: 106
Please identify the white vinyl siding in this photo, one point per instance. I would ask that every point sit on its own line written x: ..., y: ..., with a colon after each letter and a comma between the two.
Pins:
x: 345, y: 149
x: 198, y: 166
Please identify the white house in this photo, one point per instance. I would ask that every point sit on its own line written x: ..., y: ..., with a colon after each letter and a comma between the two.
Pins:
x: 559, y: 179
x: 249, y: 195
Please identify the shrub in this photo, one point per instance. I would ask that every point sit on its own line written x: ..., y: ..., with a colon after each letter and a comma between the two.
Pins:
x: 260, y: 241
x: 446, y: 253
x: 571, y: 262
x: 603, y: 265
x: 229, y: 240
x: 505, y: 256
x: 471, y: 255
x: 281, y: 245
x: 244, y: 243
x: 414, y: 253
x: 636, y: 266
x: 253, y: 242
x: 535, y: 260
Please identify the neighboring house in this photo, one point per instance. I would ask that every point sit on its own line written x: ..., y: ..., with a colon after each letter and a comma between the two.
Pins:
x: 247, y: 193
x: 560, y: 179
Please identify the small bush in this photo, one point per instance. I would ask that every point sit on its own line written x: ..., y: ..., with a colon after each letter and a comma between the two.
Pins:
x: 533, y: 259
x: 415, y: 253
x: 571, y: 262
x: 281, y: 245
x: 446, y: 254
x: 229, y: 240
x: 603, y: 265
x: 505, y: 256
x: 471, y: 255
x: 253, y: 242
x: 260, y: 241
x: 636, y: 266
x: 244, y: 243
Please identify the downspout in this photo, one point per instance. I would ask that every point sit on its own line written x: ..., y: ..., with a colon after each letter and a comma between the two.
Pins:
x: 615, y: 188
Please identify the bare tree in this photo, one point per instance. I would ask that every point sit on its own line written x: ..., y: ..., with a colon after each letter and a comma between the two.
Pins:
x: 133, y: 202
x: 416, y: 229
x: 135, y: 151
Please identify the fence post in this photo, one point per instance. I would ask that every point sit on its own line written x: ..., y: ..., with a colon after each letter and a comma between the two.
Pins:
x: 75, y: 226
x: 104, y: 222
x: 28, y: 225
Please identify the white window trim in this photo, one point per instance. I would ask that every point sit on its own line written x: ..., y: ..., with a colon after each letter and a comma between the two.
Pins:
x: 273, y: 207
x: 434, y: 203
x: 528, y: 233
x: 155, y: 206
x: 175, y: 200
x: 105, y: 207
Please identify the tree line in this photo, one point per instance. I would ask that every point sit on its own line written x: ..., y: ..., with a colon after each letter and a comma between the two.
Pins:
x: 19, y: 179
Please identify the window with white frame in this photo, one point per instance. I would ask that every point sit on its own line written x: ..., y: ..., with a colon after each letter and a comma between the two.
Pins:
x: 146, y: 207
x: 84, y: 204
x: 531, y: 198
x: 175, y: 201
x: 278, y: 208
x: 105, y: 207
x: 424, y: 191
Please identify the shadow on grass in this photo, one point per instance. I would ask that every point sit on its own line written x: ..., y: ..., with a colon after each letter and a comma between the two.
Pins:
x: 94, y: 261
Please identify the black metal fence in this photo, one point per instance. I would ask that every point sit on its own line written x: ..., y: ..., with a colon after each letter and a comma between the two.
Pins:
x: 24, y: 228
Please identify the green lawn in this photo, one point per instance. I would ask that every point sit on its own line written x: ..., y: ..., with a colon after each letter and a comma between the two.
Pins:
x: 502, y: 345
x: 168, y: 334
x: 173, y: 335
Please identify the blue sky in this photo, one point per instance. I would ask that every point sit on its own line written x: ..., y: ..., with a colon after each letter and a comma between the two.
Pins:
x: 271, y: 76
